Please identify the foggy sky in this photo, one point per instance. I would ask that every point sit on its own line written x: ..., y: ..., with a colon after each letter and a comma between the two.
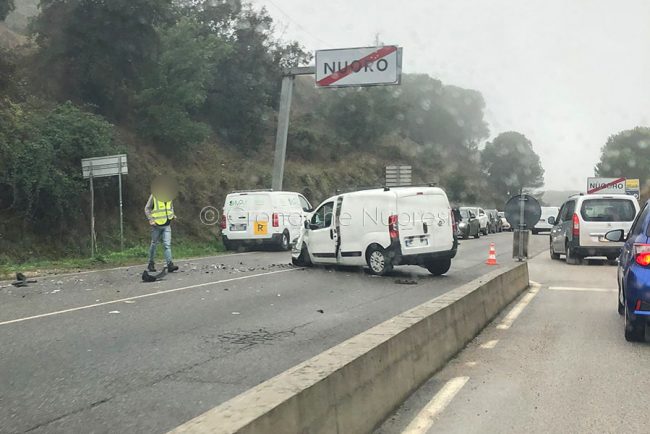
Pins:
x: 566, y: 73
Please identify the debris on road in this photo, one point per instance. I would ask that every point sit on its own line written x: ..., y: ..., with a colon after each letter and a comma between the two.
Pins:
x: 114, y: 311
x: 406, y: 282
x: 55, y: 291
x: 148, y: 278
x: 235, y: 313
x: 320, y: 311
x: 21, y: 281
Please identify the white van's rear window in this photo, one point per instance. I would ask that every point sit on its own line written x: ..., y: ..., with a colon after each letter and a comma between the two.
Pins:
x: 608, y: 210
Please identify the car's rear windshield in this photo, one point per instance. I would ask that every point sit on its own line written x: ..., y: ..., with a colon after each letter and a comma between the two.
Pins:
x: 464, y: 214
x: 608, y: 210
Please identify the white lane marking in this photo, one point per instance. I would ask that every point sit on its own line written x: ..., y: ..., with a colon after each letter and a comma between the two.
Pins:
x: 123, y: 300
x: 573, y: 288
x: 425, y: 418
x: 519, y: 307
x: 183, y: 261
x: 490, y: 344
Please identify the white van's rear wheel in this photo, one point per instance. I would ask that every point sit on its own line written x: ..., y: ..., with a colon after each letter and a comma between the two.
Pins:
x: 439, y: 266
x: 378, y: 261
x: 284, y: 243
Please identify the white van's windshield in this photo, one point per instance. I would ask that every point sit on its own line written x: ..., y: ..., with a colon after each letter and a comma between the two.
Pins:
x: 608, y: 210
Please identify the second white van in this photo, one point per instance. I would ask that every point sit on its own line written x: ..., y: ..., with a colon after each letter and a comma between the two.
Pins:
x: 262, y: 217
x: 381, y: 228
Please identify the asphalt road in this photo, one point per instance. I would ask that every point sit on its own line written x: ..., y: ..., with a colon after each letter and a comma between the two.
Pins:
x: 104, y: 352
x: 562, y: 366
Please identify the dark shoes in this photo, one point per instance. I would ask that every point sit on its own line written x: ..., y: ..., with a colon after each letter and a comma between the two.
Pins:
x: 171, y: 267
x: 151, y: 267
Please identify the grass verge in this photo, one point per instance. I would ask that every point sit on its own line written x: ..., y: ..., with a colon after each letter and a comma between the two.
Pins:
x: 108, y: 259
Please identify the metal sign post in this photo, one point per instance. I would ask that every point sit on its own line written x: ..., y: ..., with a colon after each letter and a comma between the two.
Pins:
x: 119, y: 181
x: 92, y: 213
x: 113, y: 165
x: 522, y: 212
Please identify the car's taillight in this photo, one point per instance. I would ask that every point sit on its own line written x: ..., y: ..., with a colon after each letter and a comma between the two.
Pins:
x: 642, y: 254
x: 276, y: 220
x: 576, y: 225
x: 393, y: 228
x: 454, y: 225
x: 223, y: 221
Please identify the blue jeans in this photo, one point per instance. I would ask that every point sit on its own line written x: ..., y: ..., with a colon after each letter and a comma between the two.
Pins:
x: 158, y: 232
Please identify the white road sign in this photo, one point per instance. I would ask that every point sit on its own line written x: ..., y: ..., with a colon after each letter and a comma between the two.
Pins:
x: 105, y: 166
x: 367, y: 66
x: 606, y: 185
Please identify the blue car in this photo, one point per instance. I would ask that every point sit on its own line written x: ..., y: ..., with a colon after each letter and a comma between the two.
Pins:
x: 634, y: 275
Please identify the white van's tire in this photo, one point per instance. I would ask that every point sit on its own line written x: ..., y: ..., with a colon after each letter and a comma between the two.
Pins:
x: 439, y: 266
x: 378, y: 261
x: 284, y: 243
x: 303, y: 259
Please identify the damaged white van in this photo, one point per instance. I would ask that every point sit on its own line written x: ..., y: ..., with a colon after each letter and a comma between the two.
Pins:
x: 381, y: 228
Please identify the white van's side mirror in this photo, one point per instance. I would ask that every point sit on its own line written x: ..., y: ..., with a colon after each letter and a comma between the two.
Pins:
x: 306, y: 222
x: 616, y: 235
x: 551, y: 220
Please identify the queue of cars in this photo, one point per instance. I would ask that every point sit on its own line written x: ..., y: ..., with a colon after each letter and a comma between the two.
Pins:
x: 475, y: 221
x: 610, y: 226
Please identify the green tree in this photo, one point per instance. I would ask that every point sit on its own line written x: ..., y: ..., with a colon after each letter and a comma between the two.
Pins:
x: 245, y: 86
x: 6, y: 6
x: 41, y: 160
x: 511, y: 164
x: 361, y: 116
x: 626, y: 154
x: 177, y: 88
x: 97, y: 52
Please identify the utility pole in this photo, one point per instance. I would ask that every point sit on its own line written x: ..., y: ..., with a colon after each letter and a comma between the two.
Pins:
x: 283, y: 121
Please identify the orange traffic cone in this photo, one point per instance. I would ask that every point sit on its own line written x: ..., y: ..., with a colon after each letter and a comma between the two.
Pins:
x: 492, y: 255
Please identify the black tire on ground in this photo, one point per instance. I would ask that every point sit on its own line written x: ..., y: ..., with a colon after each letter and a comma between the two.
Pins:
x: 284, y: 243
x: 303, y: 259
x: 229, y: 245
x: 571, y: 257
x: 439, y: 266
x: 634, y: 332
x: 378, y: 261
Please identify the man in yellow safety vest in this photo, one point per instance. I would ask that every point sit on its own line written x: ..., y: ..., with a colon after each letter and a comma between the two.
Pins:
x: 160, y: 212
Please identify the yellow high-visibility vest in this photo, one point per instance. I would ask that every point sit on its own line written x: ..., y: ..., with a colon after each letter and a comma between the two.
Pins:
x: 162, y: 211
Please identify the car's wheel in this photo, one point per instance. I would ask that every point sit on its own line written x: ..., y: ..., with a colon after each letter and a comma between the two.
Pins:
x: 230, y: 245
x: 554, y: 256
x: 284, y: 243
x: 478, y: 234
x: 571, y: 257
x: 439, y: 266
x: 378, y: 261
x: 612, y: 258
x: 534, y: 231
x: 634, y: 332
x: 303, y: 259
x: 621, y: 306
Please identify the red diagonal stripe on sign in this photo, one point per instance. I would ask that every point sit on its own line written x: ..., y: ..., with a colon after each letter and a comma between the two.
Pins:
x: 604, y: 186
x: 370, y: 58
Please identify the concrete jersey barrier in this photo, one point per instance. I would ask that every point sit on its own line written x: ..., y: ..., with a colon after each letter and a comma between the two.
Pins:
x: 354, y: 386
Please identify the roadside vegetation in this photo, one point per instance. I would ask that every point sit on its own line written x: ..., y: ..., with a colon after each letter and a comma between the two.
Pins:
x: 189, y: 89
